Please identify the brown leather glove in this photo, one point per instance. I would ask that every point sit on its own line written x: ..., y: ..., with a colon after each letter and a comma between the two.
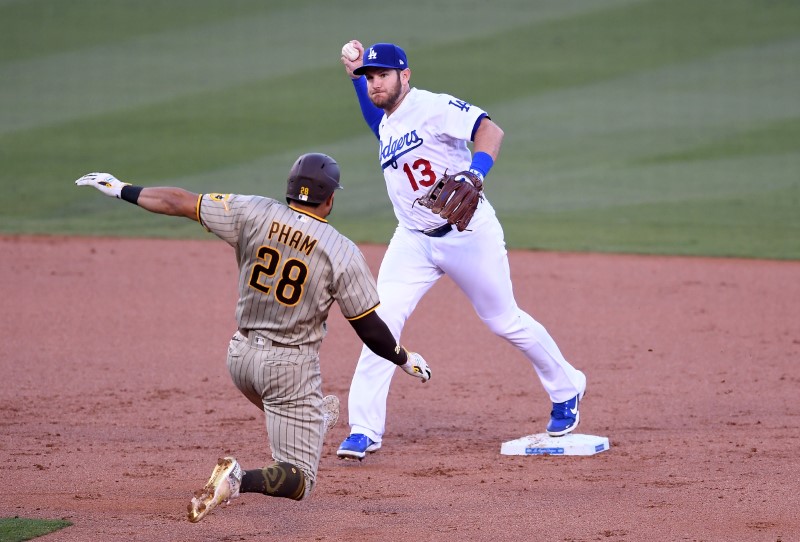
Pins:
x: 454, y: 198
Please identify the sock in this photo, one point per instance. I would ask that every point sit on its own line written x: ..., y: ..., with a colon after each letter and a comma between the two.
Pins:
x: 280, y: 479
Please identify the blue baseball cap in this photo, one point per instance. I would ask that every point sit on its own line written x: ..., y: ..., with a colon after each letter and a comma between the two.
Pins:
x: 383, y: 55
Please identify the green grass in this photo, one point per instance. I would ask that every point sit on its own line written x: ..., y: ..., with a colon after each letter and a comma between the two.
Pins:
x: 18, y: 529
x: 643, y: 126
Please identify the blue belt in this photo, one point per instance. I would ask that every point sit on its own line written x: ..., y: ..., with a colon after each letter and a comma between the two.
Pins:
x: 441, y: 231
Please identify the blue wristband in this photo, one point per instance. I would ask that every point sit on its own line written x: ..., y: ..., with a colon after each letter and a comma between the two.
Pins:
x: 481, y: 163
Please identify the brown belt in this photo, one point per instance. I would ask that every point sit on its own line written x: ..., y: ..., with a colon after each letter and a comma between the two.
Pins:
x: 246, y: 334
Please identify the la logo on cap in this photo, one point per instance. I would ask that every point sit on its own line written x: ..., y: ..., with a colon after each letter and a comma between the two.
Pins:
x: 372, y: 54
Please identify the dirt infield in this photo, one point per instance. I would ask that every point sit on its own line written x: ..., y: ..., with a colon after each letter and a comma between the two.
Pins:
x: 115, y: 403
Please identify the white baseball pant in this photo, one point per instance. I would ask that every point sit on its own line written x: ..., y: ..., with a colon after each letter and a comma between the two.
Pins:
x: 477, y: 262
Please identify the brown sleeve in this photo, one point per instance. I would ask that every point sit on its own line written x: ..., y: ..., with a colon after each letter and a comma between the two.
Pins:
x: 376, y: 335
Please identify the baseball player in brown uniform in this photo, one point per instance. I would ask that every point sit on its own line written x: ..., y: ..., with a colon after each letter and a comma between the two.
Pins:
x: 292, y: 266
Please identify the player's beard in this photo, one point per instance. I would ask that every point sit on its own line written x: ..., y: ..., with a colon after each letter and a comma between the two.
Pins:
x: 389, y: 98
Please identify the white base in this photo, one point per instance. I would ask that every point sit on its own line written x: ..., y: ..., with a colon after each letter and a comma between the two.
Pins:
x: 544, y: 444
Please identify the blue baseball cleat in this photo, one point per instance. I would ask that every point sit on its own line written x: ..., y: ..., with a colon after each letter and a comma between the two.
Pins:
x: 356, y: 446
x: 564, y: 417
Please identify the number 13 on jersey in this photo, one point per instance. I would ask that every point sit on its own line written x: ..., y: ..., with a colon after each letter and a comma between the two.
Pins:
x: 420, y: 169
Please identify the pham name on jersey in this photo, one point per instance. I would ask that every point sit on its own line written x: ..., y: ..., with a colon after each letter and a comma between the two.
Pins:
x: 283, y: 233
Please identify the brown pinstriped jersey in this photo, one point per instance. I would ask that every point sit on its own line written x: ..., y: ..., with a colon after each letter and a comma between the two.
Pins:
x: 292, y: 266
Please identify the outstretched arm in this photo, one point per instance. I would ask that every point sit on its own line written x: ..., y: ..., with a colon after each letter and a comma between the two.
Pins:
x: 372, y: 330
x: 170, y: 201
x: 166, y: 200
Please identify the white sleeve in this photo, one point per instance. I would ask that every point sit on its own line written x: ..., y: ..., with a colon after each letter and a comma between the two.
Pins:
x: 457, y: 118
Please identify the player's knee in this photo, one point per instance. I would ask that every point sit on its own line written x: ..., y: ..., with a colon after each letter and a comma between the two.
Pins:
x: 505, y: 324
x: 518, y: 328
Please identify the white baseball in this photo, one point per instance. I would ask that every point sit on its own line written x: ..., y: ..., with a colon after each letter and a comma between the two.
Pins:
x: 350, y: 52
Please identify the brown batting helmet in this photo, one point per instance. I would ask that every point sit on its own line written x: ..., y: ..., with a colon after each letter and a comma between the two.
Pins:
x: 313, y: 178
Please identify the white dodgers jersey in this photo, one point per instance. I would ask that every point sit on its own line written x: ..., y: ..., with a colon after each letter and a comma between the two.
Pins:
x: 424, y: 137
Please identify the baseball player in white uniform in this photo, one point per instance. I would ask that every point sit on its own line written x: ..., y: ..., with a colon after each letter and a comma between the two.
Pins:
x: 292, y: 266
x: 422, y: 135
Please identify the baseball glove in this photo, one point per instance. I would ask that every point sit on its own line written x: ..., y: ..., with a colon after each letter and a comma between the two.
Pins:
x: 454, y: 197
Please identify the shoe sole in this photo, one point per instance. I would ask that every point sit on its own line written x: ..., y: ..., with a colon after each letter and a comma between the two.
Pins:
x: 352, y: 454
x: 330, y: 412
x: 569, y: 429
x: 210, y: 496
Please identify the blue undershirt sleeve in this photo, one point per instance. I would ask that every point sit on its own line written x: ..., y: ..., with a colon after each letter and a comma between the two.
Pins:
x: 372, y: 115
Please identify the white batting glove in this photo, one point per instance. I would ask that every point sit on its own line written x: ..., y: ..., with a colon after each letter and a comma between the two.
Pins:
x: 417, y: 367
x: 104, y: 182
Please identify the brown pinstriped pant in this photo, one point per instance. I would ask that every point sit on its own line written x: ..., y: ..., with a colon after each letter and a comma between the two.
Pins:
x: 286, y: 384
